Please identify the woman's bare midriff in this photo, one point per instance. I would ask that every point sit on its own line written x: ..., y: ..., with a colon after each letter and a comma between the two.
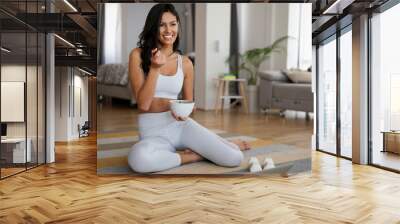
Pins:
x: 158, y: 105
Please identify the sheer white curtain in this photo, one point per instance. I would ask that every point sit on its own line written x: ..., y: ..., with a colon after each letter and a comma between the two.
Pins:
x: 112, y: 41
x: 305, y: 52
x: 299, y: 48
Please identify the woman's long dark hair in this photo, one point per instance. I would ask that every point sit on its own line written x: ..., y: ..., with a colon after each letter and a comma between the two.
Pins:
x: 148, y: 38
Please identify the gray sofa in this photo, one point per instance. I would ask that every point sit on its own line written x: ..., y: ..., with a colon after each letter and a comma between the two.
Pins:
x: 278, y: 92
x: 113, y: 81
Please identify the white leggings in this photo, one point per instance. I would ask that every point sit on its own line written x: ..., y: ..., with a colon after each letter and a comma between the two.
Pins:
x: 161, y: 135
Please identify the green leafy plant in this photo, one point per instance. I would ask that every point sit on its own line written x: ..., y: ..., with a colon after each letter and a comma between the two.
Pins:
x: 251, y: 60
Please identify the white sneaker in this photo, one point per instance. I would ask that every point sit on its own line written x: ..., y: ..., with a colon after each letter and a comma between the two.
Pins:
x: 268, y: 163
x: 254, y: 165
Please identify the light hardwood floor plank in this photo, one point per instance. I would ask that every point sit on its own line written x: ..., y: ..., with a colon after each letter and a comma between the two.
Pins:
x: 69, y: 191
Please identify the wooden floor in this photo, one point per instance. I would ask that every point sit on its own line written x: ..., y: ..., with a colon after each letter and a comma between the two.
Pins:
x: 69, y: 191
x: 386, y: 159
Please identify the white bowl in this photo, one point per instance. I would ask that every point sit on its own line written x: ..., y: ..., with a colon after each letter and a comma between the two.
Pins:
x: 182, y: 108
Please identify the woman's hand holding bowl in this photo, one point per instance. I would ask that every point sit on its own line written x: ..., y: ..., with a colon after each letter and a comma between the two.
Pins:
x: 181, y: 109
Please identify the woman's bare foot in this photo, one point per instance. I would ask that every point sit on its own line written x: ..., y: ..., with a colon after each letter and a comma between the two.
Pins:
x: 243, y: 145
x: 189, y: 156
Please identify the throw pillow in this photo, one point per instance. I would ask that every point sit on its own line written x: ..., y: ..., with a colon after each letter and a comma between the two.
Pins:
x: 298, y: 76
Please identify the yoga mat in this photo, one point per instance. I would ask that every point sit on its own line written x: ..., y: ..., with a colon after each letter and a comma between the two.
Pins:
x: 113, y: 149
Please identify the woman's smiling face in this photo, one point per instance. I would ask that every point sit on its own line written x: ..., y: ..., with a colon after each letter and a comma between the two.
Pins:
x: 168, y: 29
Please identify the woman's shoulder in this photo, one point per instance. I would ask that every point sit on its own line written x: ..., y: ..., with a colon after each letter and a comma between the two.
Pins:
x: 186, y: 62
x: 187, y: 66
x: 135, y: 53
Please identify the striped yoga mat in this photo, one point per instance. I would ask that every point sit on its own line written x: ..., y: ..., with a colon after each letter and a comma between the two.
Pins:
x: 113, y: 149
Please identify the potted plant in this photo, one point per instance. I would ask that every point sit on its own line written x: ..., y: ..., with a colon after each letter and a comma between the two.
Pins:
x: 250, y: 62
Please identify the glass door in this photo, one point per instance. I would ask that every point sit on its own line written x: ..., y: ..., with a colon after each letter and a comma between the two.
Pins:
x: 327, y: 96
x: 13, y: 105
x: 22, y: 77
x: 385, y: 89
x: 346, y: 93
x: 32, y: 98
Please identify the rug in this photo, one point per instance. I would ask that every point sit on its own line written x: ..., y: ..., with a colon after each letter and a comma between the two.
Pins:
x: 113, y: 148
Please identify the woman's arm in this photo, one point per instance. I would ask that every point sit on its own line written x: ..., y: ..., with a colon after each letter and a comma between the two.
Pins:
x: 187, y: 84
x: 188, y: 79
x: 143, y: 88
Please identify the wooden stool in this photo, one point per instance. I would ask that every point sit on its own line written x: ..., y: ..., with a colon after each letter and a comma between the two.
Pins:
x: 223, y: 86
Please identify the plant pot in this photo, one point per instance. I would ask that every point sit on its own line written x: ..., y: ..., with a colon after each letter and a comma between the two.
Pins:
x: 252, y: 98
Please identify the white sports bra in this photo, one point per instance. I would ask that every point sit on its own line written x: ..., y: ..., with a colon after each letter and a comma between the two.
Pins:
x: 169, y: 86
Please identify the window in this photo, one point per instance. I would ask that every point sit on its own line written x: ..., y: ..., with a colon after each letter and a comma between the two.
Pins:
x: 346, y: 94
x: 385, y: 89
x: 22, y: 65
x: 327, y: 96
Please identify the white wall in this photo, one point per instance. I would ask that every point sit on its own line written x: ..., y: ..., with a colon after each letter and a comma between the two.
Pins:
x: 123, y: 24
x: 17, y: 73
x: 259, y: 26
x: 33, y: 105
x: 85, y: 98
x: 79, y: 117
x: 67, y: 116
x: 212, y: 48
x: 133, y: 17
x: 254, y: 23
x: 14, y: 73
x: 62, y: 81
x: 12, y: 101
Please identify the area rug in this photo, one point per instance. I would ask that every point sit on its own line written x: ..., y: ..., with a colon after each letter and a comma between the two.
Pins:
x: 113, y: 148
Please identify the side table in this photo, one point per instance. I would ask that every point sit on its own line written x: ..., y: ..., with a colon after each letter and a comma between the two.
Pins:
x: 223, y: 88
x: 391, y: 141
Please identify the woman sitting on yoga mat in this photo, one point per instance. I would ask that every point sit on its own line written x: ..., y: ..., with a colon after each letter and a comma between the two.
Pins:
x: 158, y: 73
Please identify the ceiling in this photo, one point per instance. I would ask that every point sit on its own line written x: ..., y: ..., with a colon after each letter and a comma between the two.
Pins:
x: 77, y: 25
x: 330, y: 15
x: 76, y: 22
